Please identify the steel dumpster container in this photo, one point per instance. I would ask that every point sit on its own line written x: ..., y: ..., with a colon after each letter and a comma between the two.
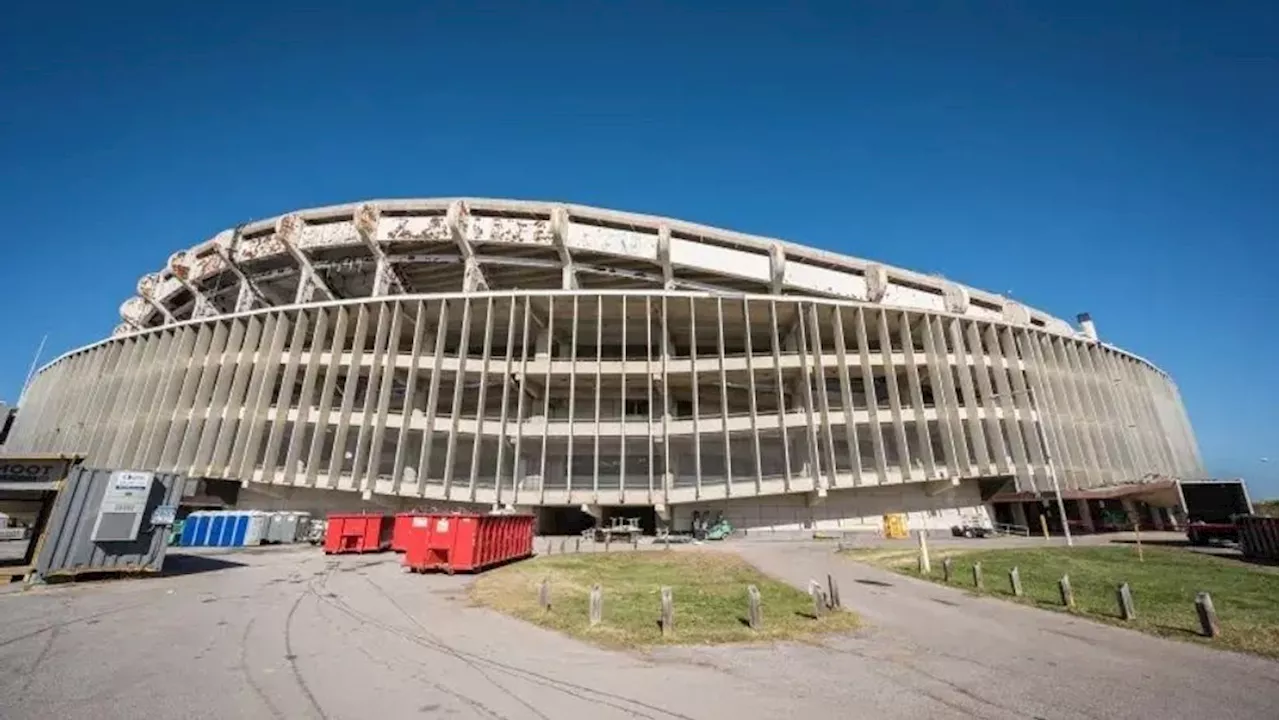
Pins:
x: 357, y: 533
x: 403, y: 524
x: 467, y: 543
x: 1258, y: 536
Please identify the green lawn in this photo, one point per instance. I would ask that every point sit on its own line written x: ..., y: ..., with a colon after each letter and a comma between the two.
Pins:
x: 709, y: 594
x: 1164, y: 586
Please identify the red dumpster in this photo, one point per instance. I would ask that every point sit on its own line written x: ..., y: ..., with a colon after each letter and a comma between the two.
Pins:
x: 400, y: 535
x: 357, y: 533
x: 467, y: 543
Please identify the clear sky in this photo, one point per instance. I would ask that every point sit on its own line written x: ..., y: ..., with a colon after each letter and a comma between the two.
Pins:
x: 1111, y: 157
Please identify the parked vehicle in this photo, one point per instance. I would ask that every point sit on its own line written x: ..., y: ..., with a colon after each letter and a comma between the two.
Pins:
x: 315, y: 533
x: 972, y: 530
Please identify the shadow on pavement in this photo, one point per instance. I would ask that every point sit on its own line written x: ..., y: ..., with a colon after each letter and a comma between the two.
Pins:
x: 177, y: 564
x: 877, y: 583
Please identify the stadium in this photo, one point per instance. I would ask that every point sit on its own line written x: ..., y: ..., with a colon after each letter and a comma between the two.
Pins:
x: 586, y: 363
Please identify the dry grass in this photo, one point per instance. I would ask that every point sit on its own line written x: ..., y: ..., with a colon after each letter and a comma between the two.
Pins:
x: 1164, y: 587
x: 709, y: 591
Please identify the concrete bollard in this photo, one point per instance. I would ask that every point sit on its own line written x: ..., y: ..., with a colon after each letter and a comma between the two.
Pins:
x: 754, y: 617
x: 977, y: 575
x: 947, y: 567
x: 667, y: 619
x: 925, y: 567
x: 544, y: 594
x: 833, y: 592
x: 1015, y: 582
x: 1064, y: 590
x: 1124, y: 597
x: 819, y: 599
x: 595, y: 609
x: 1208, y: 616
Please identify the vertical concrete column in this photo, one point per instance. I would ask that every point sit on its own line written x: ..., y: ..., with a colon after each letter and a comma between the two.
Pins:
x: 519, y: 465
x: 939, y: 372
x: 667, y: 479
x: 546, y: 397
x: 749, y: 351
x: 906, y: 464
x: 386, y: 366
x: 509, y: 381
x: 257, y: 412
x: 1086, y: 516
x: 972, y: 411
x: 843, y: 359
x: 1061, y: 443
x: 724, y: 399
x: 1157, y: 517
x: 152, y: 383
x: 813, y: 465
x: 1004, y: 363
x: 986, y: 394
x: 317, y: 347
x: 337, y: 458
x: 156, y: 427
x: 477, y: 436
x: 1020, y: 514
x: 775, y: 341
x: 873, y: 401
x: 181, y: 409
x: 912, y: 362
x: 573, y: 398
x: 697, y: 408
x: 324, y: 408
x: 216, y: 409
x: 595, y: 426
x: 459, y: 388
x: 283, y: 401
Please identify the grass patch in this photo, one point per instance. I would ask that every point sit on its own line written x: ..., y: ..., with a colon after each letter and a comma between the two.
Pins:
x: 1164, y: 587
x: 709, y: 594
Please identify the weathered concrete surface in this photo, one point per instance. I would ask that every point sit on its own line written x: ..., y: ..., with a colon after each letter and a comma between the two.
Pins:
x: 293, y: 634
x: 998, y: 659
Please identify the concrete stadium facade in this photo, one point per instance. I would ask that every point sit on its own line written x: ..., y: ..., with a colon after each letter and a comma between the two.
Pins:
x: 483, y: 352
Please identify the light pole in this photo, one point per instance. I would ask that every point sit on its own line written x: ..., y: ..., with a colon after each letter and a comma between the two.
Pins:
x: 1048, y: 461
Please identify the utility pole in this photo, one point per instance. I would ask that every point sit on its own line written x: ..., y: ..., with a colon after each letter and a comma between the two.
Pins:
x: 1049, y: 465
x: 1053, y: 472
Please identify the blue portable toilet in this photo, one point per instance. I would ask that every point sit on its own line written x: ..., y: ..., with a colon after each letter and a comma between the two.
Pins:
x: 190, y: 526
x: 199, y: 522
x: 238, y: 524
x: 217, y: 521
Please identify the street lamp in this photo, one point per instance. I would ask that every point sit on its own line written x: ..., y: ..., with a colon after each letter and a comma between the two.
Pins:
x: 1048, y: 460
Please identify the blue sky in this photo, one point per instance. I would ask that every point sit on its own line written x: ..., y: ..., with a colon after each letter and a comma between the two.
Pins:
x: 1110, y: 157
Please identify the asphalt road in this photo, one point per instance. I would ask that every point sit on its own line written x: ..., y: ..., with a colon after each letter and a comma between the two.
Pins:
x: 292, y: 634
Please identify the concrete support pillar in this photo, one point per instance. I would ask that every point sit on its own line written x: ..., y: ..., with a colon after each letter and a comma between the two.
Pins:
x: 1157, y: 517
x: 1130, y: 511
x: 1020, y: 515
x: 1086, y: 516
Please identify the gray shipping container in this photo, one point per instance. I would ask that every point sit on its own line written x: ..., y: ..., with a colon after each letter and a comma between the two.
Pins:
x: 69, y: 548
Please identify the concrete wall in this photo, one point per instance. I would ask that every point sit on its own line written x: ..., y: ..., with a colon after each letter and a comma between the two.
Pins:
x: 856, y: 510
x: 273, y: 397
